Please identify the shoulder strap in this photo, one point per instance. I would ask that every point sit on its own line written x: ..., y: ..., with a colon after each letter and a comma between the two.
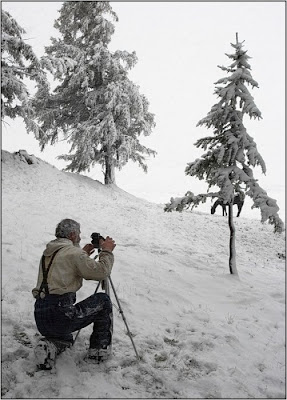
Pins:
x: 44, y: 285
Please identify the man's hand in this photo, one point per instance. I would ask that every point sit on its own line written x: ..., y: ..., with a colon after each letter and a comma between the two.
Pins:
x: 89, y: 249
x: 107, y: 244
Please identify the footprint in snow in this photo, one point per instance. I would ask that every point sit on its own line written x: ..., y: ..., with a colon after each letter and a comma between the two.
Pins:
x: 197, y: 368
x: 278, y: 296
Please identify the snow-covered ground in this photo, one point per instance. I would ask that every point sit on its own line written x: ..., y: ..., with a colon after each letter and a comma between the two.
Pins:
x: 201, y: 332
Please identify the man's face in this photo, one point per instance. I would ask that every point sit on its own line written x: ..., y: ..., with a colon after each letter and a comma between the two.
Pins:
x: 78, y: 237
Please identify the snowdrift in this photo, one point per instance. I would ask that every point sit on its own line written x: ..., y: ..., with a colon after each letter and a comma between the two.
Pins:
x: 201, y: 333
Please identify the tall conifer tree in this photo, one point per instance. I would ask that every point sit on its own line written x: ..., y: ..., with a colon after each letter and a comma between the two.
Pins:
x: 231, y: 151
x: 97, y: 108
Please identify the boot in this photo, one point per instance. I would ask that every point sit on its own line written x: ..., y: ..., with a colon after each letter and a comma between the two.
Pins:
x: 45, y: 354
x: 47, y: 350
x: 99, y: 355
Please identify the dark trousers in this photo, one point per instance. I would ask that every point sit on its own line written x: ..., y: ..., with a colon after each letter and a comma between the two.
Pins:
x: 57, y: 317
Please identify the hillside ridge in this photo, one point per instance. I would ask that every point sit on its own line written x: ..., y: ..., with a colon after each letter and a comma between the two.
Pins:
x: 201, y: 332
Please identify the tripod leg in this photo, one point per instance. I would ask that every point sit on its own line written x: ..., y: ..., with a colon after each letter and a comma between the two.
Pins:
x: 124, y: 318
x: 106, y: 286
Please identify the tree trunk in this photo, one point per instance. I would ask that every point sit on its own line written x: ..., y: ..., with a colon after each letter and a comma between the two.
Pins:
x: 232, y: 251
x: 109, y: 171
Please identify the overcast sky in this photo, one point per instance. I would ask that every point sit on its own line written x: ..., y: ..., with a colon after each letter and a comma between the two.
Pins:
x: 179, y: 46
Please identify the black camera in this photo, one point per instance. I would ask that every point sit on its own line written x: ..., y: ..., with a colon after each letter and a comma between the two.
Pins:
x: 96, y: 240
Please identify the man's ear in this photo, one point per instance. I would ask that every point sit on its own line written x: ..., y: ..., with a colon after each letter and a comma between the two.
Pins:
x: 72, y: 236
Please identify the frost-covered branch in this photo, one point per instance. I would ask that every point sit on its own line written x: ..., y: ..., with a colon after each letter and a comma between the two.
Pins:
x: 18, y: 62
x: 188, y: 200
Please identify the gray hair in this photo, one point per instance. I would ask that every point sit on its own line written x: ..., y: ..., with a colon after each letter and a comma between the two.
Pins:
x: 65, y: 227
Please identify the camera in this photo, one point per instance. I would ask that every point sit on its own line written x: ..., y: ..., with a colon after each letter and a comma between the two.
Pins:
x: 96, y: 239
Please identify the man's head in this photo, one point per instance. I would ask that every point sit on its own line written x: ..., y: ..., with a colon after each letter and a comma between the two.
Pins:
x: 69, y: 229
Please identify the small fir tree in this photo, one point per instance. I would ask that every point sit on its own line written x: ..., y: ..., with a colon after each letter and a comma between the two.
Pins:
x: 231, y: 152
x: 96, y: 107
x: 18, y: 63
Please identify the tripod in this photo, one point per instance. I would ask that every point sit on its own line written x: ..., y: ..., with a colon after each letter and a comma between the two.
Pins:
x: 105, y: 285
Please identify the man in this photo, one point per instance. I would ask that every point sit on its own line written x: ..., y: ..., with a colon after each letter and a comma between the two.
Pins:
x: 62, y: 269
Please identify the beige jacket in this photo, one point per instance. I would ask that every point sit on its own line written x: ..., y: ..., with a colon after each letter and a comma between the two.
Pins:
x: 70, y: 265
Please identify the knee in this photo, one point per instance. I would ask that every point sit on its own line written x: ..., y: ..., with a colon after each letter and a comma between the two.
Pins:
x: 104, y: 299
x: 102, y: 296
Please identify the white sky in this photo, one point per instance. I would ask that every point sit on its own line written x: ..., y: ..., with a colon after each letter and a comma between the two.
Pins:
x: 179, y: 46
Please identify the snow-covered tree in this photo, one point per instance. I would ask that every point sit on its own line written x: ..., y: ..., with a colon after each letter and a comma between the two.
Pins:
x: 96, y: 107
x: 18, y: 63
x: 231, y: 152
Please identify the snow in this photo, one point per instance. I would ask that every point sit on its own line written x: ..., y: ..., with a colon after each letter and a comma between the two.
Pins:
x: 201, y: 332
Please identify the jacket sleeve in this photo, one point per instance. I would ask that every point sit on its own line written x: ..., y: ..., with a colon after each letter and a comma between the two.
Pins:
x: 90, y: 269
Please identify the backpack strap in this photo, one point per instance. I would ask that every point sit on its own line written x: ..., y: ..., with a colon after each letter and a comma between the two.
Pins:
x: 44, y: 285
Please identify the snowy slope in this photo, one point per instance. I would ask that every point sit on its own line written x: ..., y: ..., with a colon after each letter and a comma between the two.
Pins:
x: 201, y: 332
